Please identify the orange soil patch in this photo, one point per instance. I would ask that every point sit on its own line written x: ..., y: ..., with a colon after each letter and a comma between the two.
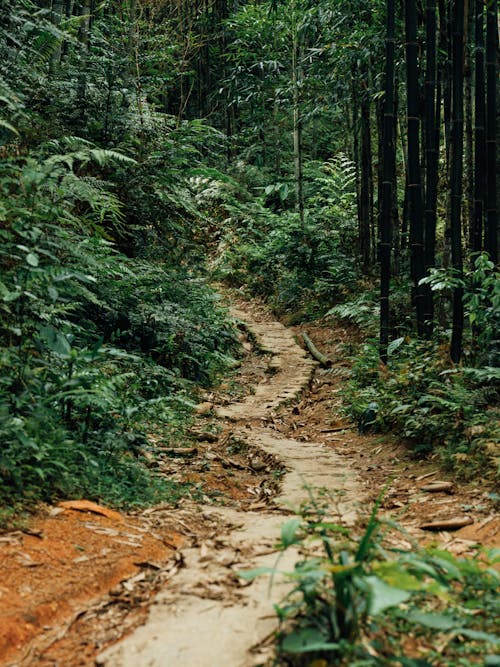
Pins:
x: 64, y: 562
x: 486, y: 533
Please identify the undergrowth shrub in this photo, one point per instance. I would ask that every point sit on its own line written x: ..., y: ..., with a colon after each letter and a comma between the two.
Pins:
x: 354, y: 597
x: 436, y: 407
x: 97, y: 350
x: 299, y: 266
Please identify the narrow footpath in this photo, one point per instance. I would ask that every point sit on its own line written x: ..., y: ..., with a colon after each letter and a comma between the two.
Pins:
x: 206, y: 617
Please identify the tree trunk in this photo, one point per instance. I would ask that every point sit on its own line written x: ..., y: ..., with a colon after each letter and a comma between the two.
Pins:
x: 414, y: 172
x: 366, y: 181
x: 468, y: 203
x: 57, y: 12
x: 297, y: 76
x: 491, y: 235
x: 84, y: 36
x: 387, y: 193
x: 456, y: 169
x: 396, y: 222
x: 476, y: 228
x: 431, y: 158
x: 445, y: 78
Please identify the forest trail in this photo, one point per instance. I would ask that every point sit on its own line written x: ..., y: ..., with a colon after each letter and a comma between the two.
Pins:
x: 163, y: 582
x: 206, y: 617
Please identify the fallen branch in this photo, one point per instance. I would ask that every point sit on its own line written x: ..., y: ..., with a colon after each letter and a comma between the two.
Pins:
x: 319, y: 356
x: 436, y: 487
x: 178, y: 451
x: 448, y: 524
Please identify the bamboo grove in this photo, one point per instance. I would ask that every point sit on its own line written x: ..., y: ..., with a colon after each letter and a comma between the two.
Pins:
x: 439, y: 71
x: 417, y: 79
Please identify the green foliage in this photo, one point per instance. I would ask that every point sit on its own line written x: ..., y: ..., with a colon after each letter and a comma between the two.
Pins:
x: 481, y: 299
x: 93, y: 344
x: 107, y: 325
x: 298, y: 266
x: 353, y: 597
x: 434, y: 406
x: 362, y: 310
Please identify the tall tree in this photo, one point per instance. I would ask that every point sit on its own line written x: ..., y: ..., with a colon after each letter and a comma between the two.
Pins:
x: 297, y: 86
x: 491, y: 235
x: 456, y: 172
x: 476, y: 227
x: 366, y: 176
x: 388, y: 177
x: 431, y: 138
x: 414, y: 180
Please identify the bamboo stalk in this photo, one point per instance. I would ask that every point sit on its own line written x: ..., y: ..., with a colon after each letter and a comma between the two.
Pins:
x: 322, y: 358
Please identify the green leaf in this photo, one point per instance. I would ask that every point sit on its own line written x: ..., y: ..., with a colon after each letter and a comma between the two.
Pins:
x: 394, y: 574
x: 393, y: 345
x: 8, y: 126
x: 56, y: 341
x: 433, y: 621
x: 492, y: 661
x: 283, y: 191
x: 53, y: 293
x: 383, y: 596
x: 289, y: 533
x: 306, y: 640
x: 11, y: 296
x: 32, y: 259
x: 478, y: 635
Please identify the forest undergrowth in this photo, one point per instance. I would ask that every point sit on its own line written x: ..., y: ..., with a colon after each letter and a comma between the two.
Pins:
x: 121, y: 203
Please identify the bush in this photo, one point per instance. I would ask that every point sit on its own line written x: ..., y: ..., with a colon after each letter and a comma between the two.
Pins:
x: 432, y: 404
x: 92, y: 344
x: 300, y: 266
x: 353, y: 597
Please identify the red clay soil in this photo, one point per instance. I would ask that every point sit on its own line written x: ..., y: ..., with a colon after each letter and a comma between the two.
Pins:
x: 61, y: 563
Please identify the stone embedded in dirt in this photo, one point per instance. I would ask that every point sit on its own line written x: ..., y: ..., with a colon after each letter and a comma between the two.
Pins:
x: 89, y: 506
x: 448, y: 524
x: 204, y: 408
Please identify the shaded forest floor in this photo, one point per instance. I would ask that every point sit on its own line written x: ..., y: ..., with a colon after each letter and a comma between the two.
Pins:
x: 76, y: 578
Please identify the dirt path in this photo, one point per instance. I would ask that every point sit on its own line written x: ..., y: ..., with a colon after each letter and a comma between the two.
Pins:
x: 205, y: 617
x: 166, y: 578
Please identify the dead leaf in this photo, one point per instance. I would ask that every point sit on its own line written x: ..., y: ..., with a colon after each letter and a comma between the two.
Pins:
x: 89, y: 506
x: 428, y: 474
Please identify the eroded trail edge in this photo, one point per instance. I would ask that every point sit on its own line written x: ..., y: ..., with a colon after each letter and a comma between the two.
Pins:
x: 207, y: 616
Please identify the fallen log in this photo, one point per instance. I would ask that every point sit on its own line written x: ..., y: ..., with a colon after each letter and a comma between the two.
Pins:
x: 319, y: 356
